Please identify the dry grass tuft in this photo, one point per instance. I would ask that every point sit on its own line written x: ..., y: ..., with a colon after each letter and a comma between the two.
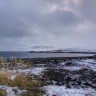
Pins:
x: 2, y: 92
x: 23, y: 82
x: 4, y: 79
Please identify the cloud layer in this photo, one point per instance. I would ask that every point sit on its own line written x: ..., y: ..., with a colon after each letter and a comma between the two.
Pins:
x: 61, y: 23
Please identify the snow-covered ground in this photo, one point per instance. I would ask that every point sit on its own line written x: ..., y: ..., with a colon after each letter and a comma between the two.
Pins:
x: 12, y: 91
x: 35, y: 71
x: 77, y: 64
x: 79, y: 75
x: 89, y: 49
x: 87, y: 63
x: 75, y: 70
x: 53, y: 90
x: 32, y: 71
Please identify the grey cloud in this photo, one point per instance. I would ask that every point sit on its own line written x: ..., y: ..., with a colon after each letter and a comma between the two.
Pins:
x: 16, y: 17
x: 59, y: 2
x: 62, y: 18
x: 88, y: 9
x: 29, y: 22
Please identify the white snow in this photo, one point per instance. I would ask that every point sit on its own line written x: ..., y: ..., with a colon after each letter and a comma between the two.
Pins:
x: 10, y: 92
x: 72, y: 68
x: 87, y: 63
x: 53, y: 90
x: 13, y: 77
x: 84, y: 49
x: 37, y: 71
x: 42, y: 48
x: 33, y: 71
x: 79, y: 64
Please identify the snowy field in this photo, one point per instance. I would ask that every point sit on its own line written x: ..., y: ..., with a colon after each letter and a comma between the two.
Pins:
x: 64, y: 78
x: 63, y: 91
x: 80, y: 79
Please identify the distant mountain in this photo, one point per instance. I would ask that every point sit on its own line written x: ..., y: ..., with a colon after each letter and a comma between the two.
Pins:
x: 77, y: 50
x: 43, y: 48
x: 53, y: 49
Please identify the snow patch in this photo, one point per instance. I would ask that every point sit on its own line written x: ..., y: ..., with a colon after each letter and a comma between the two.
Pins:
x: 10, y: 91
x: 33, y: 71
x: 72, y: 68
x: 37, y: 71
x: 52, y: 90
x: 87, y: 63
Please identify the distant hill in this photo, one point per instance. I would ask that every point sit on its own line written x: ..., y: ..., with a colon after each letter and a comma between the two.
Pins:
x: 60, y: 50
x: 42, y: 48
x: 77, y: 50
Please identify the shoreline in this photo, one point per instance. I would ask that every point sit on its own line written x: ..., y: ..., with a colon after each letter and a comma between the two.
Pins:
x: 61, y: 52
x: 53, y: 59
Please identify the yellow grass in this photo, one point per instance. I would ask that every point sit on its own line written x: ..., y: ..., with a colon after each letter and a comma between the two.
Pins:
x: 2, y: 92
x: 23, y: 82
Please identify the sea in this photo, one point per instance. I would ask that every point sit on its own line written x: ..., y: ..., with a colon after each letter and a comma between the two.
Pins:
x: 8, y: 55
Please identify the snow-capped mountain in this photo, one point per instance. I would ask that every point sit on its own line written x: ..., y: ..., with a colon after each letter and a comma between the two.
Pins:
x: 53, y: 49
x: 43, y: 48
x: 77, y: 50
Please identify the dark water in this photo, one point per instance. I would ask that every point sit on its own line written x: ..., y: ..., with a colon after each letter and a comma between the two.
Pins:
x: 39, y: 55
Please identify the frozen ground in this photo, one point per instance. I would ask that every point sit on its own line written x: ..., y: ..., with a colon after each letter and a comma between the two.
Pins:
x: 72, y: 78
x: 63, y: 91
x: 65, y: 78
x: 74, y: 64
x: 31, y: 72
x: 12, y: 91
x: 87, y: 63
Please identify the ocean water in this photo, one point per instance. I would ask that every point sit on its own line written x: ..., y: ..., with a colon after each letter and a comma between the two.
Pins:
x: 8, y: 55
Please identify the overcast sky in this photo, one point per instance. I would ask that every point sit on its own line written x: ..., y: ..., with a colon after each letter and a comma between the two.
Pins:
x: 61, y: 23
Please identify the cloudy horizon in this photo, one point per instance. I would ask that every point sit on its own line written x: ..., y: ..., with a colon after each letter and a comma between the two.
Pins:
x: 59, y: 23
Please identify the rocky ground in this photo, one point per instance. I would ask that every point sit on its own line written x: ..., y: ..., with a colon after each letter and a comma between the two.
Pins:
x: 70, y: 77
x: 75, y: 77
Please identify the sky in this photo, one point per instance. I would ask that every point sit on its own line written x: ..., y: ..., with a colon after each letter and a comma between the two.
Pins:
x: 59, y: 23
